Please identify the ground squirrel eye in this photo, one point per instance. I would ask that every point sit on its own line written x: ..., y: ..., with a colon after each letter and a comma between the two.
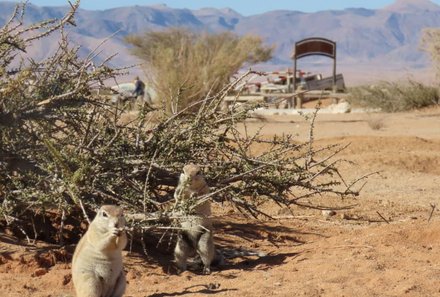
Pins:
x: 105, y: 215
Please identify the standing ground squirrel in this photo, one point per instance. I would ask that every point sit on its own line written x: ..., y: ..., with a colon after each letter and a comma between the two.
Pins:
x: 97, y: 269
x: 196, y: 234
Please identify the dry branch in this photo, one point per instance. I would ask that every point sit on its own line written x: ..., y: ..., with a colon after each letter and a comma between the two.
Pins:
x: 63, y: 146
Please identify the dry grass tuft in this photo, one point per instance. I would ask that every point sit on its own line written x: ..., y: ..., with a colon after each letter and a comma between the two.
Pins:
x: 376, y: 122
x: 394, y: 96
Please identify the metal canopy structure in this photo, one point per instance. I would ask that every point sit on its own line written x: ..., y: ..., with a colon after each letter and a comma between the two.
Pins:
x: 311, y: 47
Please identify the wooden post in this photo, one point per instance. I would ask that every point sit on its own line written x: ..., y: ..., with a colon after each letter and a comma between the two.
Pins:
x: 289, y: 85
x: 294, y: 73
x: 335, y: 88
x: 299, y: 98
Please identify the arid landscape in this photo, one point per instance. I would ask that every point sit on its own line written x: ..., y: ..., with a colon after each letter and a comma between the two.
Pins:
x: 373, y: 44
x: 346, y: 203
x: 387, y: 244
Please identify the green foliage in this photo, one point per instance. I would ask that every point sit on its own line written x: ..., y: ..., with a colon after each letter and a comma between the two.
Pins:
x: 394, y: 96
x: 188, y: 66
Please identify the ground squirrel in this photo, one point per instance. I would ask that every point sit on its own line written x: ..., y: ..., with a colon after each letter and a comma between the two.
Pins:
x: 97, y: 269
x: 196, y: 236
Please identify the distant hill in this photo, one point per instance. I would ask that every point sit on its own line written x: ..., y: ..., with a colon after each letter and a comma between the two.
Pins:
x: 387, y: 37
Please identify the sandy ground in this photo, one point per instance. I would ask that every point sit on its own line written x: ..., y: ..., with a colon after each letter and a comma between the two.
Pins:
x: 384, y: 246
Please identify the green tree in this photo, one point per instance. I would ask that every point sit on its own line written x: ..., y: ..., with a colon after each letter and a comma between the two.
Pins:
x: 187, y: 66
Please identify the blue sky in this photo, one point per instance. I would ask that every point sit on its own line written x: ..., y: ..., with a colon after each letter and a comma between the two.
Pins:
x: 245, y: 7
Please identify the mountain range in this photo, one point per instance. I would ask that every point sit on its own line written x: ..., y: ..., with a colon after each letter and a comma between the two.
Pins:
x: 386, y: 38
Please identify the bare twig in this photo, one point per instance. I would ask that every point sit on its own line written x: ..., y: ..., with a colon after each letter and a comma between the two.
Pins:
x: 433, y: 206
x: 382, y: 217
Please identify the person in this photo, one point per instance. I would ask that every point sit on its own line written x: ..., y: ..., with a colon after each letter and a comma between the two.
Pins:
x: 140, y: 93
x: 139, y: 87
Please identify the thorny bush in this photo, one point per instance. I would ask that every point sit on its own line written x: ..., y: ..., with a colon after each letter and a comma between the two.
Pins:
x: 65, y: 149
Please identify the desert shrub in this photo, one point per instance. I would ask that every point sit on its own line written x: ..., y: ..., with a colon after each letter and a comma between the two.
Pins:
x: 375, y: 122
x: 64, y: 149
x: 430, y: 43
x: 45, y: 109
x: 394, y: 96
x: 186, y: 66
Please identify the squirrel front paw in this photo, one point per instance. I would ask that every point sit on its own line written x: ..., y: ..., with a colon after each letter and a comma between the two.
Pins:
x: 116, y: 232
